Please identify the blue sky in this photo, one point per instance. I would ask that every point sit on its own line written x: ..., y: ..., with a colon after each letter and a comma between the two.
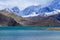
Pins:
x: 22, y: 4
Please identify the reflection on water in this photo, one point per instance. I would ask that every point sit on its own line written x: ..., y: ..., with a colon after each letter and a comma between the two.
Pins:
x: 29, y: 35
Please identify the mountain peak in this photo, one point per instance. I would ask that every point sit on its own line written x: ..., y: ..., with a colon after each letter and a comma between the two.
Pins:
x: 16, y: 9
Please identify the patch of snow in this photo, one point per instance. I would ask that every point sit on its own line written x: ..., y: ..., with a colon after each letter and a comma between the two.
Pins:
x: 31, y: 15
x: 52, y: 13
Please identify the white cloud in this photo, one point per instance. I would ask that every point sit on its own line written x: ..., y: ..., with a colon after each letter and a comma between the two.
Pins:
x: 24, y: 3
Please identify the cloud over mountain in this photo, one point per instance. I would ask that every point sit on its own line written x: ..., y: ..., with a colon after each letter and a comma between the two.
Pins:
x: 22, y: 4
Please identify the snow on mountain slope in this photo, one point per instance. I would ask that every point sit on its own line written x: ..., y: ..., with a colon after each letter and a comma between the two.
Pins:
x: 52, y: 13
x: 15, y: 10
x: 45, y: 14
x: 29, y: 10
x: 49, y: 10
x: 34, y: 11
x: 32, y: 15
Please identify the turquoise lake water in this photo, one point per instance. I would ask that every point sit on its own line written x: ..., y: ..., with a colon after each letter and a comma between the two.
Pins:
x: 29, y: 35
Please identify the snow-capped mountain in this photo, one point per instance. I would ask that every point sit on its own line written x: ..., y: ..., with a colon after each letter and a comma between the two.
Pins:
x: 46, y: 11
x: 14, y: 9
x: 32, y: 11
x: 35, y: 11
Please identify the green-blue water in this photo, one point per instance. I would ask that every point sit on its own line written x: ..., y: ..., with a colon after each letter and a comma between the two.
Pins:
x: 29, y: 35
x: 25, y: 27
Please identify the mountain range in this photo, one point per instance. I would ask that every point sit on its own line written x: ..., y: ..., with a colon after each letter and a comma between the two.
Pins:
x: 35, y: 15
x: 35, y: 10
x: 11, y: 19
x: 32, y: 11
